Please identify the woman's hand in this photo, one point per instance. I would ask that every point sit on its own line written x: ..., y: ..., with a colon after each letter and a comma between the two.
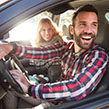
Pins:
x: 21, y: 79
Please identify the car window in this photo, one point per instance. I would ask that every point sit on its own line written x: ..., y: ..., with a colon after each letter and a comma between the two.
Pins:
x: 26, y: 31
x: 107, y: 16
x: 66, y: 18
x: 65, y: 21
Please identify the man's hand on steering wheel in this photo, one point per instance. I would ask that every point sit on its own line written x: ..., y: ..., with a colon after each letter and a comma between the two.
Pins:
x: 9, y: 78
x: 21, y: 79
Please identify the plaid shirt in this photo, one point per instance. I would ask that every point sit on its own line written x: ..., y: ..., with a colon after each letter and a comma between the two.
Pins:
x: 80, y: 73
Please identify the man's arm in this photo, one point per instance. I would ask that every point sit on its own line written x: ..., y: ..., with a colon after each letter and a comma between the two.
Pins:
x: 79, y: 86
x: 43, y: 53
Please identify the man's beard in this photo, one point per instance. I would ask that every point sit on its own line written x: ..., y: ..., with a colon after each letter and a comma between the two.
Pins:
x: 80, y: 43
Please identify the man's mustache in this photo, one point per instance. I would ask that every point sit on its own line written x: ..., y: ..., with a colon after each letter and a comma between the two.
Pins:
x: 88, y: 34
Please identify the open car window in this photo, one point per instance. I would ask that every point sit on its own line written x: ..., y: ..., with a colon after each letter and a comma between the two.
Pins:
x: 26, y: 31
x: 107, y: 16
x: 66, y: 18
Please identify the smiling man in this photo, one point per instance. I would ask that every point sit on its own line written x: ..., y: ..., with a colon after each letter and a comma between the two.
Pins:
x: 83, y: 62
x: 85, y: 27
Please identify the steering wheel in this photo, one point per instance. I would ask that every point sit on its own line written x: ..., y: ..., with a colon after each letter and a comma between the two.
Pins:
x: 5, y: 72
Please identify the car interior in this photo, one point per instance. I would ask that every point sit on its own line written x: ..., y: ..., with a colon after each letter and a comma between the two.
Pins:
x: 102, y: 90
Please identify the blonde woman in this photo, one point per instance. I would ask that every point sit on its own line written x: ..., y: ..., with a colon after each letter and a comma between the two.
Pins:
x: 47, y: 33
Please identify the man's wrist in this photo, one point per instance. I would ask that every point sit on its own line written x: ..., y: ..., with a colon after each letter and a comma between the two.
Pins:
x: 14, y: 48
x: 30, y: 90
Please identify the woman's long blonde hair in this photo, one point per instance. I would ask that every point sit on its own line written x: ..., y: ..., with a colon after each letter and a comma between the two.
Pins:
x: 39, y: 27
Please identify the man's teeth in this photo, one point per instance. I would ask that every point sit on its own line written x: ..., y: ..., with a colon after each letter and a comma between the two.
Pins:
x: 87, y: 38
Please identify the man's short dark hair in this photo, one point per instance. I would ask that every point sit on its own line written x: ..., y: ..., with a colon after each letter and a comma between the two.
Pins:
x: 86, y: 8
